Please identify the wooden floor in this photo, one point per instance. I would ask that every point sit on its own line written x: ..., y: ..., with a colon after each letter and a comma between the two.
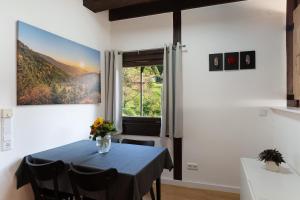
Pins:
x: 180, y: 193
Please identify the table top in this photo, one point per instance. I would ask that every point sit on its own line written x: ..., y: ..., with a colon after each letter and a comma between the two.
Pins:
x: 126, y: 158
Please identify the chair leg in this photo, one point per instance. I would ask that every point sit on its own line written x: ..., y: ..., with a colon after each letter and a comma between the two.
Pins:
x: 152, y: 194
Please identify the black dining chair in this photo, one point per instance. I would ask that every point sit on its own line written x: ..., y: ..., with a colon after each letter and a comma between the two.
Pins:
x: 139, y: 142
x: 40, y: 172
x: 115, y: 140
x: 91, y: 181
x: 145, y: 143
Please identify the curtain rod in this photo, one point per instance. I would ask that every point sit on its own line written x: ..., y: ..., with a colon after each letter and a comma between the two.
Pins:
x: 183, y: 46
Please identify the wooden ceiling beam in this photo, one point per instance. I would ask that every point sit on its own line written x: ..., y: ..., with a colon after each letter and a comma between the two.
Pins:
x: 162, y: 6
x: 101, y: 5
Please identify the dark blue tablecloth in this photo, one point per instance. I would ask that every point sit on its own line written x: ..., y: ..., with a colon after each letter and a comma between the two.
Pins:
x: 137, y: 165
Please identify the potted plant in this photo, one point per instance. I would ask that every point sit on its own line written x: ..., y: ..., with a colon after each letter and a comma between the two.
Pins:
x: 272, y: 158
x: 101, y: 131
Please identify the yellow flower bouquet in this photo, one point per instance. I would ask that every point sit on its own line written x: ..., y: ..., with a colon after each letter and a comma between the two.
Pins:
x: 101, y: 128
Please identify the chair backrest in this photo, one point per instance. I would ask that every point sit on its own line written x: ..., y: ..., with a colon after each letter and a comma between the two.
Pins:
x: 91, y: 180
x: 139, y: 142
x: 39, y: 171
x: 115, y: 140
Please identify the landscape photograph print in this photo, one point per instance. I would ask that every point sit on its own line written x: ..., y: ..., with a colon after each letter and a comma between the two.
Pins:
x: 55, y: 70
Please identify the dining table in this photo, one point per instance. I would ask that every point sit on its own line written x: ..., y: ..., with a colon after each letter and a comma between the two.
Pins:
x: 138, y: 166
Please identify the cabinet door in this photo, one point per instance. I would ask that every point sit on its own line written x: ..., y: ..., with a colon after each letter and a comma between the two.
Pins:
x: 246, y: 192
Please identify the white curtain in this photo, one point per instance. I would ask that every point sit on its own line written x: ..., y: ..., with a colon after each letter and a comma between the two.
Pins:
x: 113, y: 88
x: 172, y: 103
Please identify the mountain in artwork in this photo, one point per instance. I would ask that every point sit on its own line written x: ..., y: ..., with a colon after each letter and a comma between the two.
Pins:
x: 42, y: 79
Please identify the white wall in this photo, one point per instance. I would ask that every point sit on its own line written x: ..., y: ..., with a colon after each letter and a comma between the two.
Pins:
x: 38, y: 128
x: 221, y: 117
x: 221, y: 109
x: 142, y: 33
x: 286, y: 133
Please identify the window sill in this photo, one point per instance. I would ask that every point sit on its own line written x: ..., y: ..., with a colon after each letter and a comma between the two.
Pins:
x: 286, y: 109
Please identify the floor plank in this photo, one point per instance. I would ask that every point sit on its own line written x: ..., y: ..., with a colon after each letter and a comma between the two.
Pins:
x: 170, y: 192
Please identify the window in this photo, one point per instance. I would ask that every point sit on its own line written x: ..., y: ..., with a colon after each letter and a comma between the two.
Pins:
x: 142, y: 90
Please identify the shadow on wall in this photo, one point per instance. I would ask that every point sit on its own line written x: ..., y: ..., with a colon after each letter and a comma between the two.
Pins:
x: 161, y: 24
x: 244, y: 11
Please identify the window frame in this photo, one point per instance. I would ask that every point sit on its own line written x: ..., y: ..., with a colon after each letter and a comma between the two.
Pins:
x: 142, y: 126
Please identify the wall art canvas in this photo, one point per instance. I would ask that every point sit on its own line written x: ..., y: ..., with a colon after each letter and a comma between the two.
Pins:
x: 55, y: 70
x: 247, y: 60
x: 232, y: 61
x: 216, y: 62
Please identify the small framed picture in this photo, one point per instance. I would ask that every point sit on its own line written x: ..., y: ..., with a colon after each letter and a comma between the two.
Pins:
x: 216, y: 62
x: 247, y: 60
x: 232, y: 61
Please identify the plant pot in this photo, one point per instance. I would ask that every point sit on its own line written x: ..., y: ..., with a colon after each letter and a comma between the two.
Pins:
x: 103, y: 143
x: 271, y: 166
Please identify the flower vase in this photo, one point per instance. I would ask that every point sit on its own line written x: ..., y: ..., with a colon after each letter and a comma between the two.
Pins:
x: 103, y: 144
x: 272, y: 166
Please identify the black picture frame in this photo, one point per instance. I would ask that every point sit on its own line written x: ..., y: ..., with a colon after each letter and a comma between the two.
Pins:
x: 216, y: 62
x: 247, y: 60
x: 232, y: 61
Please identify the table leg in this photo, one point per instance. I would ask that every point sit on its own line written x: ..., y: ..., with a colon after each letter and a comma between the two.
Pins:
x: 158, y: 187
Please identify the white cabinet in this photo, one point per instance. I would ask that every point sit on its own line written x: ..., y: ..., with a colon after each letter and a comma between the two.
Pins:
x: 259, y: 184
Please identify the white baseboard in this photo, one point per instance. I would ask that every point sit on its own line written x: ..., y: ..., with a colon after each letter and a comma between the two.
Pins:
x: 201, y: 185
